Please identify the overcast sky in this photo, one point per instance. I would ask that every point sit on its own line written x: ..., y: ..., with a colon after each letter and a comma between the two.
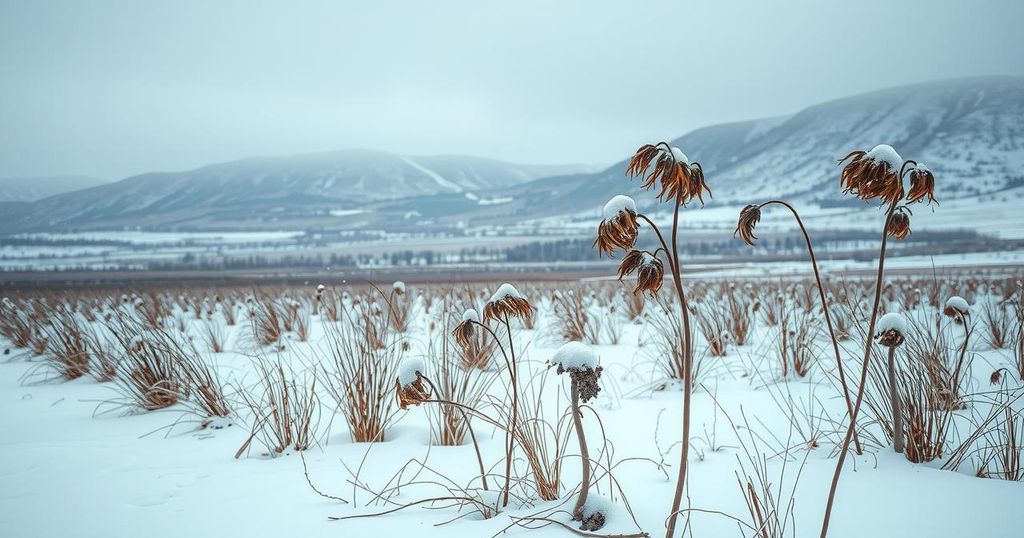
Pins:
x: 113, y: 89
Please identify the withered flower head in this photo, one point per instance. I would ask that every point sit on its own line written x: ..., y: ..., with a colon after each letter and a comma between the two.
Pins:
x: 398, y: 287
x: 922, y: 184
x: 678, y: 178
x: 749, y: 217
x: 890, y: 329
x: 619, y: 228
x: 995, y: 377
x: 409, y: 383
x: 464, y: 330
x: 899, y: 225
x: 873, y: 174
x: 507, y: 302
x: 650, y: 273
x: 580, y: 361
x: 956, y: 307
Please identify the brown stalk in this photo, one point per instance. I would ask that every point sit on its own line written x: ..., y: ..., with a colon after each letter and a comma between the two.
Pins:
x: 863, y: 374
x: 825, y: 310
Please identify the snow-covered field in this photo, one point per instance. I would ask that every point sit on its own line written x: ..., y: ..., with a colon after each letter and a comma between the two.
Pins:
x: 79, y: 458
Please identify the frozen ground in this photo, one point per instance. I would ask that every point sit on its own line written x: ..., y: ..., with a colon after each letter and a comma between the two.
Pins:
x: 71, y: 467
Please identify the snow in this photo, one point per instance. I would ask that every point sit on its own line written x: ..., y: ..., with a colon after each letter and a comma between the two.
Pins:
x: 407, y: 371
x: 679, y: 156
x: 504, y: 291
x: 186, y: 482
x: 575, y: 356
x: 398, y: 286
x: 438, y: 178
x: 618, y: 204
x: 597, y: 504
x: 892, y: 321
x: 959, y: 304
x: 885, y: 153
x: 471, y: 315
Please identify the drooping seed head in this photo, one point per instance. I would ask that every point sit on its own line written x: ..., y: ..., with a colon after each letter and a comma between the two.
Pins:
x: 672, y: 171
x: 507, y: 302
x: 922, y: 184
x: 899, y: 225
x: 749, y: 217
x: 650, y: 273
x: 619, y: 228
x: 873, y: 174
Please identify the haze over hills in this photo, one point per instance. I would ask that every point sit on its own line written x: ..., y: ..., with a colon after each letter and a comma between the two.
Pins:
x: 969, y: 131
x: 30, y: 189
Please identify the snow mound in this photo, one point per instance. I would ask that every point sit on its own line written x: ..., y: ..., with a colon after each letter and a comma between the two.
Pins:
x: 470, y: 315
x: 596, y: 504
x: 505, y: 291
x: 408, y: 369
x: 618, y: 204
x: 575, y: 356
x: 892, y: 321
x: 885, y: 153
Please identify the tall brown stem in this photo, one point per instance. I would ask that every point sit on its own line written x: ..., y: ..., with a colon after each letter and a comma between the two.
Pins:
x: 687, y: 375
x: 828, y: 316
x: 511, y: 434
x: 894, y: 399
x: 577, y: 512
x: 863, y: 374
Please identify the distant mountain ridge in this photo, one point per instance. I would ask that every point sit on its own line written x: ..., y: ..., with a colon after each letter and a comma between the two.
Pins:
x: 30, y: 189
x: 301, y: 186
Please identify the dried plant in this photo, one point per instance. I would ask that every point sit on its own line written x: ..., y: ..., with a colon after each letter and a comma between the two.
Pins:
x: 286, y: 410
x: 453, y: 383
x: 359, y: 374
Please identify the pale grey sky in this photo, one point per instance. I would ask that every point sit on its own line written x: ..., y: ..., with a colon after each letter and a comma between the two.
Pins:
x: 114, y: 88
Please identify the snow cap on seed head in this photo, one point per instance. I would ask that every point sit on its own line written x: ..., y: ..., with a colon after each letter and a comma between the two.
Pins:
x: 580, y: 361
x: 410, y: 370
x: 574, y: 356
x: 410, y: 387
x: 956, y: 306
x: 891, y: 329
x: 399, y: 287
x: 618, y: 204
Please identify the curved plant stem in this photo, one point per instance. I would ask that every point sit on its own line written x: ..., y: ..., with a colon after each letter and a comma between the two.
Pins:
x: 687, y: 375
x: 472, y: 435
x: 828, y: 316
x: 511, y: 433
x: 577, y: 512
x: 863, y: 374
x: 894, y: 398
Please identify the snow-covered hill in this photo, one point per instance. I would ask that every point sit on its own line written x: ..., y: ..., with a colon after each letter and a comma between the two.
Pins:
x: 969, y: 131
x: 234, y: 193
